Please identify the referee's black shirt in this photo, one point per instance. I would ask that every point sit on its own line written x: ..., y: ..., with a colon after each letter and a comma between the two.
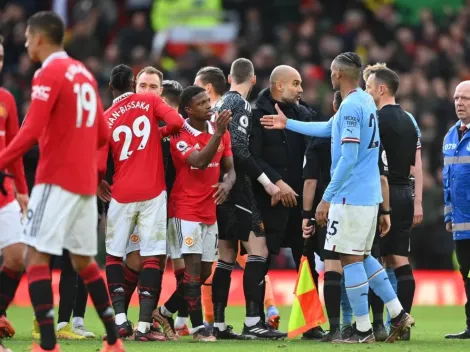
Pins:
x: 399, y: 140
x: 317, y: 165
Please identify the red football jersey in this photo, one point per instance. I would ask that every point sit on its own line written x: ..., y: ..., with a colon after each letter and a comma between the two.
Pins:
x: 135, y: 142
x: 8, y: 130
x: 191, y: 198
x: 66, y: 117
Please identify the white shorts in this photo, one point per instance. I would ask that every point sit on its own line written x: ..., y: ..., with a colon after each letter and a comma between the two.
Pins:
x: 190, y: 237
x: 351, y: 228
x: 59, y: 219
x: 149, y: 216
x: 10, y: 225
x: 134, y: 242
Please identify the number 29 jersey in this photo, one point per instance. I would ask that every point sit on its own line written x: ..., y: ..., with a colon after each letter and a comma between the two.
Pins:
x: 135, y: 142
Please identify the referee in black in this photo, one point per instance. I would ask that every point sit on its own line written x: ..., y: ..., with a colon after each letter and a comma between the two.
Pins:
x: 399, y: 136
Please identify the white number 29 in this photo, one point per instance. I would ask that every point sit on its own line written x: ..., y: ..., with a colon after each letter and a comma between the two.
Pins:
x: 86, y: 101
x: 140, y: 128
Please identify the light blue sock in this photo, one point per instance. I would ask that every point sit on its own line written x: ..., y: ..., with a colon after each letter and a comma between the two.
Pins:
x: 357, y: 288
x: 393, y: 281
x: 378, y: 280
x: 346, y: 310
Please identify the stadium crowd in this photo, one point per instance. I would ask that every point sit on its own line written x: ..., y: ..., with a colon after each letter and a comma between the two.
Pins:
x: 430, y: 57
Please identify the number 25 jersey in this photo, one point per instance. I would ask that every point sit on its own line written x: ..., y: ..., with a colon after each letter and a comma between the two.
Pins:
x: 135, y: 142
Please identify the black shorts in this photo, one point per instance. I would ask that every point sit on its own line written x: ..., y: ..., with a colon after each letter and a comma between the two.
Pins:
x: 397, y: 241
x: 235, y: 221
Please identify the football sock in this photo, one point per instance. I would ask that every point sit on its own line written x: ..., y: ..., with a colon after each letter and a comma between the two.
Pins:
x: 346, y: 310
x: 131, y: 278
x: 149, y: 288
x: 91, y: 277
x: 377, y: 307
x: 176, y: 301
x: 80, y: 302
x: 393, y: 281
x: 379, y: 282
x: 405, y: 286
x: 115, y: 280
x: 67, y: 289
x: 332, y: 296
x: 253, y: 286
x: 208, y: 307
x: 40, y: 291
x: 9, y: 282
x: 192, y: 295
x: 357, y: 288
x: 220, y: 291
x: 268, y: 293
x: 182, y: 307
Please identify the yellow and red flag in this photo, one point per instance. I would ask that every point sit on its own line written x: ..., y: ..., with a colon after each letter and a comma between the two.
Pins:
x: 307, y: 311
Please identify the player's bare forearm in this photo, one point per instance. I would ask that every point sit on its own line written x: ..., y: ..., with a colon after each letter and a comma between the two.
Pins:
x: 385, y: 205
x: 418, y: 173
x: 310, y: 187
x: 229, y: 171
x: 203, y: 158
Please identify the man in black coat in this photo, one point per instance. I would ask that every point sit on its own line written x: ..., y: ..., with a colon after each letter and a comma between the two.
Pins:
x: 280, y: 154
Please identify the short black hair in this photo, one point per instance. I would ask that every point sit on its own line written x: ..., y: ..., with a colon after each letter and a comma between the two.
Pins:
x: 214, y: 76
x: 337, y: 99
x: 50, y: 24
x: 186, y: 96
x: 122, y: 78
x: 242, y: 70
x: 172, y: 91
x: 386, y: 76
x: 352, y: 62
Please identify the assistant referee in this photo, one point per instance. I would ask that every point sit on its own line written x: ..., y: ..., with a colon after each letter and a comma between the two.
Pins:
x: 399, y: 135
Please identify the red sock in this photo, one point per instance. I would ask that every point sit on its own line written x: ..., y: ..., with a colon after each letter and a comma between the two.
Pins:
x: 40, y: 291
x: 94, y: 282
x: 131, y: 278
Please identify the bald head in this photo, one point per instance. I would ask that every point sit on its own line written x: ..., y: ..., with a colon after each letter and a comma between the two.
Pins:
x: 282, y: 73
x: 286, y: 84
x: 462, y: 101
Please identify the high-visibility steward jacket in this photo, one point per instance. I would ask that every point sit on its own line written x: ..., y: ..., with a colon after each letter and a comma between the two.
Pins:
x: 456, y: 179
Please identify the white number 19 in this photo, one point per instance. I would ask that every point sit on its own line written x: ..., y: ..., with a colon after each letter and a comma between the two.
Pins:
x: 86, y: 100
x: 137, y: 130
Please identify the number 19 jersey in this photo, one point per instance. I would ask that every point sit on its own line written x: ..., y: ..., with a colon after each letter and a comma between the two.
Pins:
x: 135, y: 142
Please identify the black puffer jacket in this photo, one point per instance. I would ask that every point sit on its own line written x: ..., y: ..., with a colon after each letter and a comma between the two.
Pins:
x: 280, y: 153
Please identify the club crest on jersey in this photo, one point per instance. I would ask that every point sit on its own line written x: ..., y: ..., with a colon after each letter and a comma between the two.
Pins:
x: 188, y: 241
x: 134, y: 238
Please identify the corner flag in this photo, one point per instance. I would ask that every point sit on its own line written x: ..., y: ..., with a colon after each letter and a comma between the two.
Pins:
x: 306, y: 312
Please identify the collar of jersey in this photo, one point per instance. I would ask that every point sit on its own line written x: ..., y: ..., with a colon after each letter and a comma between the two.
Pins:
x: 122, y: 97
x: 194, y: 131
x: 53, y: 56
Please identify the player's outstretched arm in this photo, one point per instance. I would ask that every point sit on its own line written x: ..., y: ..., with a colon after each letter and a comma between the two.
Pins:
x: 280, y: 122
x: 44, y: 94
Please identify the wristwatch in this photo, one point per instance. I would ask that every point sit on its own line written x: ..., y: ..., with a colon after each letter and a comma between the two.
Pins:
x: 385, y: 212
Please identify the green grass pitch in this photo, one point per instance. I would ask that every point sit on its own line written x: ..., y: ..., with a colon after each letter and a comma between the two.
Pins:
x: 432, y: 323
